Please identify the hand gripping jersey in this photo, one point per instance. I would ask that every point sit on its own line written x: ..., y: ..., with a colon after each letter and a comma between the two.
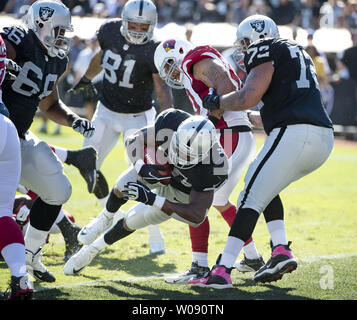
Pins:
x: 127, y: 82
x: 35, y: 81
x: 205, y: 176
x: 196, y: 89
x: 293, y: 96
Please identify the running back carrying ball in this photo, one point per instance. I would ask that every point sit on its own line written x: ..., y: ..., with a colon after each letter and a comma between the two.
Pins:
x: 156, y: 156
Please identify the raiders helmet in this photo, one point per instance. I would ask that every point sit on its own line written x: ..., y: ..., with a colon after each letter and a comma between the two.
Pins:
x: 168, y: 57
x: 139, y: 11
x: 49, y: 20
x: 192, y: 142
x: 254, y: 28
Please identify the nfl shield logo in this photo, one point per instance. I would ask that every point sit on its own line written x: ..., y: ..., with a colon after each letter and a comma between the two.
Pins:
x: 258, y: 25
x: 46, y: 13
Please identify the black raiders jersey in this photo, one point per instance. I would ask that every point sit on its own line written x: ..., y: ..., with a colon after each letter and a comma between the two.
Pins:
x: 127, y: 83
x: 206, y: 176
x: 293, y: 96
x: 35, y: 81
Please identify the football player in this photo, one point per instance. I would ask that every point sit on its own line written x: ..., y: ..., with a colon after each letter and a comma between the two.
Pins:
x: 299, y: 140
x: 197, y: 69
x: 125, y: 103
x: 199, y: 166
x: 12, y: 245
x: 40, y: 48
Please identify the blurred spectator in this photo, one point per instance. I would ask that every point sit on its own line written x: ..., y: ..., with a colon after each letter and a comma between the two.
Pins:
x: 351, y: 14
x: 322, y: 78
x: 284, y: 13
x: 165, y: 10
x: 349, y: 57
x: 332, y: 14
x: 211, y: 11
x: 310, y: 14
x: 184, y: 10
x: 239, y: 10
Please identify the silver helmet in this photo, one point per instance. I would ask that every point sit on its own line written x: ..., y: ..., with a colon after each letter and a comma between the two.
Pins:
x: 192, y: 142
x: 254, y: 28
x: 168, y: 58
x: 49, y: 20
x: 139, y: 11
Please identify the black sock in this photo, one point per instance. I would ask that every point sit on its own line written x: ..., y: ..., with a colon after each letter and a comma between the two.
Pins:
x: 70, y: 154
x: 274, y: 210
x: 116, y: 232
x: 244, y: 224
x: 43, y: 215
x: 114, y: 202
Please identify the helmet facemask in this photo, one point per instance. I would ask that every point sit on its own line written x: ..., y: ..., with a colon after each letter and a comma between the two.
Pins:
x: 171, y: 72
x: 56, y: 43
x: 137, y: 37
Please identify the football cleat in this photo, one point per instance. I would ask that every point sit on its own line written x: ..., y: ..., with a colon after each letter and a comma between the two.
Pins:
x: 194, y: 272
x: 218, y: 278
x: 249, y: 265
x: 80, y: 260
x: 96, y: 227
x: 101, y: 188
x: 85, y: 161
x: 36, y: 269
x: 72, y: 243
x: 281, y: 261
x: 21, y: 289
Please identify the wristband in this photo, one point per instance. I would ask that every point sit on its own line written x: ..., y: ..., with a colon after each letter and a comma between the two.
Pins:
x: 71, y: 118
x: 138, y: 165
x: 159, y: 202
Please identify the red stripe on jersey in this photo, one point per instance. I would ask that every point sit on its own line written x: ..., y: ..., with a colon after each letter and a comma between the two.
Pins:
x: 232, y: 142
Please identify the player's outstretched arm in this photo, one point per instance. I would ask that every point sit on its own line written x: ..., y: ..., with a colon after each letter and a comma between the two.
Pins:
x: 54, y: 109
x: 163, y: 93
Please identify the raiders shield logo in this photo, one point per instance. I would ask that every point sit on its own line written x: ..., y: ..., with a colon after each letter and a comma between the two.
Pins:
x: 258, y: 25
x: 46, y: 13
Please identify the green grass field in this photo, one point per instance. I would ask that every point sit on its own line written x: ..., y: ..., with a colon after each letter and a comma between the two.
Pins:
x: 321, y: 221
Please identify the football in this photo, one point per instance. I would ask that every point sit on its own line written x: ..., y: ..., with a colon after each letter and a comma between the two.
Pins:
x: 156, y: 156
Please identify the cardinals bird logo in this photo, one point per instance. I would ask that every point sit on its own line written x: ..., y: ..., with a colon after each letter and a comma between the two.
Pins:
x: 46, y: 13
x: 169, y: 44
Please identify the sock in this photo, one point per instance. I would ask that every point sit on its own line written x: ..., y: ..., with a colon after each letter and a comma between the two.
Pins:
x: 114, y: 203
x: 14, y: 255
x: 250, y: 251
x: 201, y: 258
x: 100, y: 243
x: 61, y: 153
x: 199, y: 236
x: 34, y: 238
x: 59, y: 217
x: 277, y: 232
x: 231, y: 251
x: 155, y: 233
x: 103, y: 201
x: 229, y: 214
x: 43, y: 215
x: 116, y: 232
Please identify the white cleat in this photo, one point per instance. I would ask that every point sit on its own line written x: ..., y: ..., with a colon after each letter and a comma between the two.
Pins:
x: 94, y: 229
x: 80, y: 260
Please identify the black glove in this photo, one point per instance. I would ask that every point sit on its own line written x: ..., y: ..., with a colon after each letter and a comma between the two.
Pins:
x: 84, y: 86
x: 149, y: 173
x: 83, y: 126
x: 211, y: 100
x: 139, y: 192
x: 12, y: 69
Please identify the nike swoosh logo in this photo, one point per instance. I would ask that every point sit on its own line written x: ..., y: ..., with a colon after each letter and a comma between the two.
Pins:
x: 76, y: 271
